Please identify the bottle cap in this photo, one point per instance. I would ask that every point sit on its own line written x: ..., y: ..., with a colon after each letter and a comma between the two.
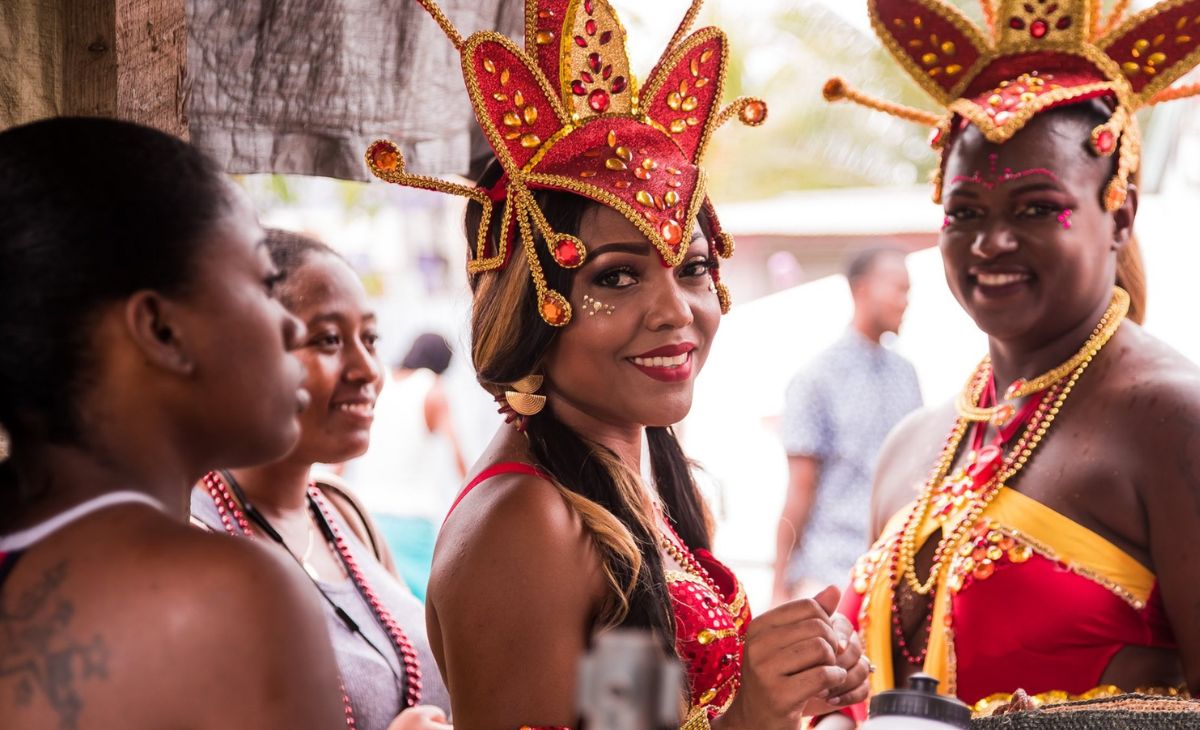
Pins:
x: 922, y: 700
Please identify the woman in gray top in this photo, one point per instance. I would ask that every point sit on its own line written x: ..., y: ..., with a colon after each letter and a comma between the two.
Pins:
x: 389, y: 679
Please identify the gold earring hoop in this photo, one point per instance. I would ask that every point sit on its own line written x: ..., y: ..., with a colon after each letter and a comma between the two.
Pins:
x: 523, y: 397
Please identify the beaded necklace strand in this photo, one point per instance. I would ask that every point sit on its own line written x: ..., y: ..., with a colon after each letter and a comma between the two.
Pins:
x: 234, y: 519
x: 902, y: 564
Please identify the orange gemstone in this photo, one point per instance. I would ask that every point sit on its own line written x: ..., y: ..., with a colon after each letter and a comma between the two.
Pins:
x: 553, y: 310
x: 984, y: 570
x: 1105, y: 142
x: 755, y: 112
x: 671, y: 232
x: 385, y: 156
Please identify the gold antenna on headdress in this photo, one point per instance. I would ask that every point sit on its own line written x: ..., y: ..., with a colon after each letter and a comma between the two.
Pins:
x: 751, y: 110
x: 837, y: 89
x: 1115, y: 17
x: 686, y: 24
x: 447, y: 27
x: 989, y: 17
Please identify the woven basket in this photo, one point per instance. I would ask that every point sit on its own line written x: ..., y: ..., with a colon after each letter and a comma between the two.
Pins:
x: 1123, y: 712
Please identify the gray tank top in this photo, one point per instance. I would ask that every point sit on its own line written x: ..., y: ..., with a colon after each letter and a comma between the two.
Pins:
x: 375, y: 694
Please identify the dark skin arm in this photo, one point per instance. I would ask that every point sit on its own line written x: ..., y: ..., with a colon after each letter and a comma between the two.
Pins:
x: 1169, y: 488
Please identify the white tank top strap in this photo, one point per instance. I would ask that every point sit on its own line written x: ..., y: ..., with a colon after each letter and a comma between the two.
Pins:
x: 29, y: 536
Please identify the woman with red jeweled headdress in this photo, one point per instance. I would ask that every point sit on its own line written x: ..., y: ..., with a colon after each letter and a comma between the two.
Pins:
x: 1040, y: 545
x: 597, y: 294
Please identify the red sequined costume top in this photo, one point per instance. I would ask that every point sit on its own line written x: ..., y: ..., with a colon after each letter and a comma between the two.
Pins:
x: 1030, y: 600
x: 711, y: 615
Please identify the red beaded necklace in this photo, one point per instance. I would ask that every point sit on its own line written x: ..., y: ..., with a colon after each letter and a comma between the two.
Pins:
x: 234, y: 520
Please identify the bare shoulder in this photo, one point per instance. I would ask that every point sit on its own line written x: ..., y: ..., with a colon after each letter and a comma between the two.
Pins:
x: 171, y: 615
x: 906, y: 458
x: 515, y: 520
x: 1155, y: 390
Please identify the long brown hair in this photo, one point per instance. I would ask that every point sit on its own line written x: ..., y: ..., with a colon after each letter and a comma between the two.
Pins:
x: 509, y: 342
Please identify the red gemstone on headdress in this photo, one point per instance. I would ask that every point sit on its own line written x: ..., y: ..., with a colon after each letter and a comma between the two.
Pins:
x: 1063, y: 23
x: 586, y: 77
x: 1016, y: 24
x: 590, y: 27
x: 671, y: 232
x: 605, y: 37
x: 618, y: 85
x: 1105, y: 141
x: 580, y: 41
x: 587, y: 6
x: 577, y: 88
x: 598, y: 100
x: 566, y: 253
x: 1038, y: 29
x: 607, y: 72
x: 594, y: 61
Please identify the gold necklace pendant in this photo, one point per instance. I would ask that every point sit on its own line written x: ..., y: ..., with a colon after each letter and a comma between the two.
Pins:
x: 1000, y: 414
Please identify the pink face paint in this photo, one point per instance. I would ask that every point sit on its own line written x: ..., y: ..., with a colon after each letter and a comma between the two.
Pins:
x: 992, y: 180
x: 1065, y: 219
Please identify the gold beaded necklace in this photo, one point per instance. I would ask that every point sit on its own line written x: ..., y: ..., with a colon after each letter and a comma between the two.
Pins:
x: 1034, y: 433
x: 1002, y: 413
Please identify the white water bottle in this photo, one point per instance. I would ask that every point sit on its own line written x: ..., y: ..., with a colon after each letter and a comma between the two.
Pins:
x: 919, y: 707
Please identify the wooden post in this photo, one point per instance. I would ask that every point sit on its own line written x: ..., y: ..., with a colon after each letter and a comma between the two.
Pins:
x: 111, y: 58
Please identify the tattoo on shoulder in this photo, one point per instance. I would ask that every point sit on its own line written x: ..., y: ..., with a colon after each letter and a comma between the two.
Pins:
x: 38, y: 655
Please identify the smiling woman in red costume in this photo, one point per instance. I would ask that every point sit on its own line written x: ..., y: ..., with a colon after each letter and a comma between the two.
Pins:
x: 597, y: 200
x: 1044, y: 544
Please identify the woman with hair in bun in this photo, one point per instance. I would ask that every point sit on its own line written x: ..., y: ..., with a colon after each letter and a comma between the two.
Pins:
x: 143, y: 346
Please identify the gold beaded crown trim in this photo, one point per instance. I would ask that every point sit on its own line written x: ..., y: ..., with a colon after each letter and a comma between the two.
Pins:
x: 565, y: 113
x: 1035, y: 55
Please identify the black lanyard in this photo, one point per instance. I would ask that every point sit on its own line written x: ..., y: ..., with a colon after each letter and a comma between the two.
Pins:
x: 260, y: 520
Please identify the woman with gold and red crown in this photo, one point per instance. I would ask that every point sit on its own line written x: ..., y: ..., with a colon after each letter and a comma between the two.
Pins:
x: 1048, y: 547
x: 585, y: 515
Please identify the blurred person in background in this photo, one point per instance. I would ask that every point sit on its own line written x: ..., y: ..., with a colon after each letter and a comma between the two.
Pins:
x: 388, y: 678
x: 143, y: 346
x: 1049, y: 544
x: 409, y: 476
x: 837, y: 412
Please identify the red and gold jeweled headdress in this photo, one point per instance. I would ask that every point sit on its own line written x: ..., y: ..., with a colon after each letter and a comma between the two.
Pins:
x: 566, y: 114
x: 1036, y: 55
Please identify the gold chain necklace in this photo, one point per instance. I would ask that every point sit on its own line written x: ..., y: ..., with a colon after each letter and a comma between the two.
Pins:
x: 1002, y: 413
x: 1034, y: 433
